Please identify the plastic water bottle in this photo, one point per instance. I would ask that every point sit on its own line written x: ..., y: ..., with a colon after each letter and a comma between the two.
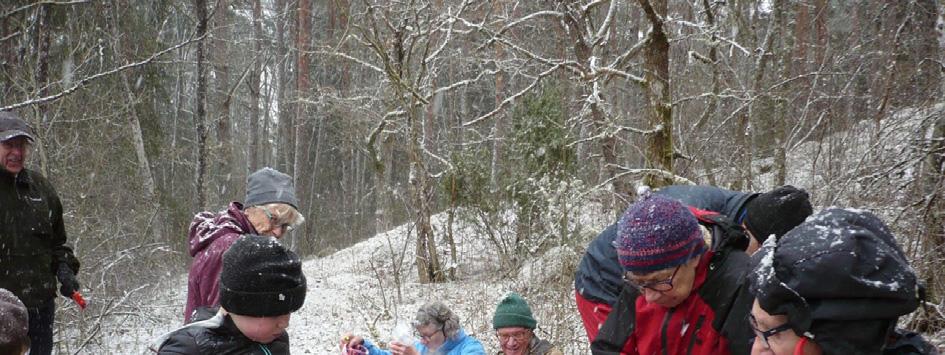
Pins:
x: 403, y: 333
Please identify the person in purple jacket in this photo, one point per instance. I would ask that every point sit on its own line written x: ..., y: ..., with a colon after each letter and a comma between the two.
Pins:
x: 270, y: 209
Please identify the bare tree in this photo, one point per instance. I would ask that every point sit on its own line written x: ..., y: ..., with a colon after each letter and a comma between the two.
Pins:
x: 407, y: 43
x: 200, y: 117
x: 255, y: 87
x: 659, y: 153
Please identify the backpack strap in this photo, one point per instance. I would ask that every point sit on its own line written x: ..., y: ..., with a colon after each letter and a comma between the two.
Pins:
x: 726, y: 234
x: 704, y: 216
x: 620, y: 323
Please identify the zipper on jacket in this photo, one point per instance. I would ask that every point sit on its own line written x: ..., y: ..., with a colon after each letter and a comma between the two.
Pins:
x: 695, y: 333
x: 666, y: 318
x: 265, y: 350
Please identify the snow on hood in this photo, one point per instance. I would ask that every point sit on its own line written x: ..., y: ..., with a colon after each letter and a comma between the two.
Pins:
x: 208, y: 227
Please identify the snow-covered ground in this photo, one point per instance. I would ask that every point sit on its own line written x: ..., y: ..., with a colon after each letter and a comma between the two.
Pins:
x: 355, y: 290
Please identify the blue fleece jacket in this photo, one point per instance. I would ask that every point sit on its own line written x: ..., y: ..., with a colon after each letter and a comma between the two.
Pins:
x: 461, y: 344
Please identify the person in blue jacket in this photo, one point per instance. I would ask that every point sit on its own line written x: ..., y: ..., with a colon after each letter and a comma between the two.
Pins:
x: 438, y: 330
x: 598, y: 279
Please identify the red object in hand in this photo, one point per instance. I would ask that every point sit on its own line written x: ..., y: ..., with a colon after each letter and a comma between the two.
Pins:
x: 77, y: 297
x: 356, y: 350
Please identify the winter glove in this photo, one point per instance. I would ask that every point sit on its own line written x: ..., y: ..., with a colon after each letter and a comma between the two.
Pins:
x: 67, y: 279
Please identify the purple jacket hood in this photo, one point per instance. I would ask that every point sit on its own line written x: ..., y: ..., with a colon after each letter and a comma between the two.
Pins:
x: 211, y: 234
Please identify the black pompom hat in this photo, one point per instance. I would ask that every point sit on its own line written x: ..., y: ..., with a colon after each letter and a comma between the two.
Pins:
x: 261, y: 278
x: 777, y: 211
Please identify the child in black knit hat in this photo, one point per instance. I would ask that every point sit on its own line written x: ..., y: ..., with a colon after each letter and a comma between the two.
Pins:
x: 260, y: 286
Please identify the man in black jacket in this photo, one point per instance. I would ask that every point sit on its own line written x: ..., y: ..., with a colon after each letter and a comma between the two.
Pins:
x: 597, y: 282
x: 32, y: 235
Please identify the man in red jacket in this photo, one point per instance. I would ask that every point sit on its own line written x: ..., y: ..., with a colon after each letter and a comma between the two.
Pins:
x: 680, y: 297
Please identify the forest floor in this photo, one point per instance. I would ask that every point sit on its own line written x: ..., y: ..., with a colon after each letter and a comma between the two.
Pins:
x: 371, y: 287
x: 355, y: 290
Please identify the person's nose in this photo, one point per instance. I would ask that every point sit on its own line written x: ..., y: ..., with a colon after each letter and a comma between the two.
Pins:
x: 758, y: 347
x: 651, y: 295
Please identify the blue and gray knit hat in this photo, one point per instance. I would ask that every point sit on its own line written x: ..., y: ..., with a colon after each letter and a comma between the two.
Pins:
x: 657, y: 233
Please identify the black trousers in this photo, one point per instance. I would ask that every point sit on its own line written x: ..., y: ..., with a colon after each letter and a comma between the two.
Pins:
x: 41, y: 328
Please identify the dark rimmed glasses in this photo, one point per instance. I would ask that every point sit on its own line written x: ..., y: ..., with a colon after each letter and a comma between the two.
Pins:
x: 428, y: 337
x: 286, y: 227
x: 765, y: 334
x: 658, y: 286
x: 518, y: 336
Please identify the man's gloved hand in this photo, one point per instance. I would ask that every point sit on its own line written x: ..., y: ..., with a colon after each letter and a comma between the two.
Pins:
x: 67, y: 279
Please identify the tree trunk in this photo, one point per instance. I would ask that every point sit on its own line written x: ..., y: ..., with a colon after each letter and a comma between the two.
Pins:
x: 303, y: 79
x: 381, y: 172
x: 933, y: 181
x: 137, y: 139
x: 428, y: 262
x: 282, y: 115
x: 201, y: 103
x: 659, y: 147
x: 41, y: 79
x: 300, y: 146
x: 498, y: 129
x: 255, y: 88
x: 221, y: 58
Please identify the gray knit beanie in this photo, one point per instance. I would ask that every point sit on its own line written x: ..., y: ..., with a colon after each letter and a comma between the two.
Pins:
x: 268, y: 185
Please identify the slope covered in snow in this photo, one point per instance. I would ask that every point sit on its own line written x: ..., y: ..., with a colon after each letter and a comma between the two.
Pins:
x: 357, y: 289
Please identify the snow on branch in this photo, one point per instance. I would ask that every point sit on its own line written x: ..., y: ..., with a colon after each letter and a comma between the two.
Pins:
x: 353, y: 59
x: 460, y: 83
x: 449, y: 166
x: 27, y: 7
x: 86, y: 80
x: 624, y: 171
x: 625, y: 75
x: 371, y: 138
x: 500, y: 32
x: 604, y: 26
x: 512, y: 98
x: 591, y: 5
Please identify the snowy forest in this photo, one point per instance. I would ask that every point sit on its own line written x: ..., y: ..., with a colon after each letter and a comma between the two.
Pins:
x: 458, y: 149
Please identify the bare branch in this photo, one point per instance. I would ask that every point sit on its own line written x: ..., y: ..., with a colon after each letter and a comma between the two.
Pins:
x: 85, y: 81
x: 512, y: 98
x: 27, y: 7
x: 677, y: 180
x: 602, y: 30
x: 500, y: 32
x: 371, y: 138
x: 625, y: 75
x: 460, y: 83
x: 353, y: 59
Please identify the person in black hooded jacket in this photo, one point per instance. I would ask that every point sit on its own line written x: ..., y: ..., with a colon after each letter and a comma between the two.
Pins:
x: 260, y: 286
x: 836, y: 284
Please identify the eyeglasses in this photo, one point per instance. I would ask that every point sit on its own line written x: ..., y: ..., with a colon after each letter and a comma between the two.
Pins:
x: 767, y: 333
x: 659, y: 286
x: 286, y: 227
x: 428, y: 337
x: 518, y: 336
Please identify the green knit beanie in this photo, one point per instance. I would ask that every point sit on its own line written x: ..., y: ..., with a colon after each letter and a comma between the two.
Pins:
x: 513, y: 312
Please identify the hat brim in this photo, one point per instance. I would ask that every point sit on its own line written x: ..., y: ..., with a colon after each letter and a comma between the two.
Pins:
x: 13, y: 133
